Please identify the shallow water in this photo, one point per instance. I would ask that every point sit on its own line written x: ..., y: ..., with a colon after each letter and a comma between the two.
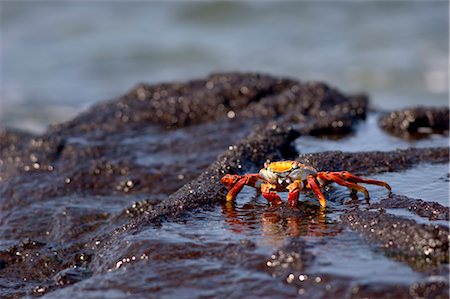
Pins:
x: 428, y: 182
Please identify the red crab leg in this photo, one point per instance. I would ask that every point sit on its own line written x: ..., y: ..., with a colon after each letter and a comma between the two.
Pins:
x: 248, y: 179
x: 322, y: 179
x: 272, y: 197
x: 294, y: 191
x: 293, y: 198
x: 313, y: 186
x: 335, y: 178
x: 356, y: 179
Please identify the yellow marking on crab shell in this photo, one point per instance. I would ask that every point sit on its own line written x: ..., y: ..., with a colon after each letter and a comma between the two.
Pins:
x: 281, y: 166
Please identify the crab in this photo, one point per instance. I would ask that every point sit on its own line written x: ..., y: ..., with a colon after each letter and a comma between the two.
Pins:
x: 293, y: 176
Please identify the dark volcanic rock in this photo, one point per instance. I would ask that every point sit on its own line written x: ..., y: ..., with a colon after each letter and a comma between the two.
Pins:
x: 219, y: 96
x: 420, y: 245
x: 374, y: 162
x: 177, y: 104
x: 438, y: 289
x: 416, y: 120
x: 291, y: 259
x: 430, y: 210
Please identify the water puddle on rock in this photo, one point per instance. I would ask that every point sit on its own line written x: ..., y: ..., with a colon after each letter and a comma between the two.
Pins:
x: 429, y: 182
x: 345, y: 255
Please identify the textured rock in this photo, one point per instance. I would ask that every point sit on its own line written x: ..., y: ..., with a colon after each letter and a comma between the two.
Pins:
x: 416, y: 120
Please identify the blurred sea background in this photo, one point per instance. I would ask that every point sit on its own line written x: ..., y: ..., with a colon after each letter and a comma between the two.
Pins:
x: 57, y: 58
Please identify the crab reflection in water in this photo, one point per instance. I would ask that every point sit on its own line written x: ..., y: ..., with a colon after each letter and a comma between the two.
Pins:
x: 273, y: 225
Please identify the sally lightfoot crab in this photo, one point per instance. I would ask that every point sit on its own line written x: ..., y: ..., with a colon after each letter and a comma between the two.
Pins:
x: 293, y: 177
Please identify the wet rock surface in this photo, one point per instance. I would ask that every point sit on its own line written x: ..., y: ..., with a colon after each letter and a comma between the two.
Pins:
x: 430, y: 210
x: 416, y: 122
x: 420, y: 245
x: 126, y: 199
x: 374, y: 162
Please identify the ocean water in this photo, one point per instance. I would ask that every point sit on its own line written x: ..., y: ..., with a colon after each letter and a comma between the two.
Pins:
x: 57, y: 58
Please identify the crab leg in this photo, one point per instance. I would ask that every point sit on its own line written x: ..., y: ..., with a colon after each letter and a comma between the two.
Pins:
x: 335, y: 178
x: 271, y: 196
x: 293, y: 198
x: 294, y: 191
x: 356, y: 179
x: 313, y: 186
x: 233, y: 192
x: 248, y: 179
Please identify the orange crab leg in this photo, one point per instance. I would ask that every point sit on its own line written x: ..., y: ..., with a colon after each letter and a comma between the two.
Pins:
x: 335, y: 178
x: 271, y: 196
x: 235, y: 183
x: 356, y: 179
x: 233, y: 192
x: 313, y: 186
